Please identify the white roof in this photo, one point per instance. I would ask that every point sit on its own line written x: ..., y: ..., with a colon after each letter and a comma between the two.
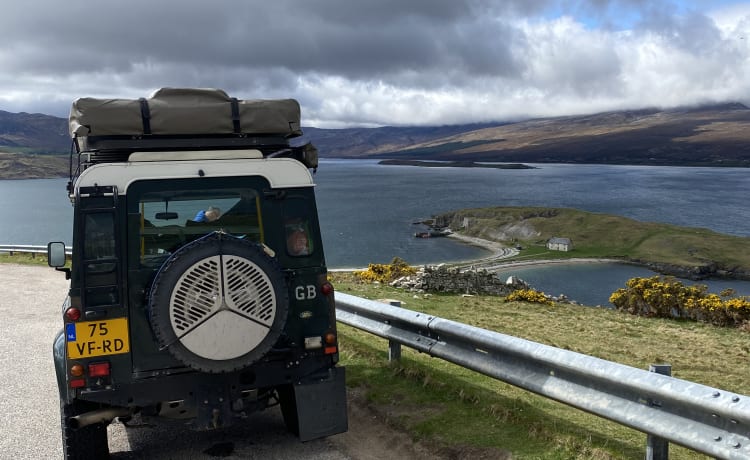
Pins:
x: 280, y: 172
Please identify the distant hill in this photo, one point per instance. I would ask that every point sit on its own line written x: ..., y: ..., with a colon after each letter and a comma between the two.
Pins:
x: 33, y: 132
x: 716, y: 135
x: 367, y: 142
x: 713, y: 135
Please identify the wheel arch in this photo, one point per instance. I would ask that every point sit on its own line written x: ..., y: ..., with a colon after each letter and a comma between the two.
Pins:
x: 58, y: 355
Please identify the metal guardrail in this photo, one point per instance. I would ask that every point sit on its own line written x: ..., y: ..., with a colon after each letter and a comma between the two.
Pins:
x: 705, y: 419
x: 27, y: 249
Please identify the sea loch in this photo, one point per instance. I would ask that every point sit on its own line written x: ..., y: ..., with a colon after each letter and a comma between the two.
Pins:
x: 367, y: 209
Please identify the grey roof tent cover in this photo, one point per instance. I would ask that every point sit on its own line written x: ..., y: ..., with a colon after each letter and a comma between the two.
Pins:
x: 184, y: 111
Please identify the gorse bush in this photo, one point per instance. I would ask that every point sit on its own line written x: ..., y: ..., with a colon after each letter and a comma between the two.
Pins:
x: 665, y: 297
x: 528, y: 295
x: 385, y: 273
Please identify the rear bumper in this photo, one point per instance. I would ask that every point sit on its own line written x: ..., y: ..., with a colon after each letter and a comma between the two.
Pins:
x: 146, y: 391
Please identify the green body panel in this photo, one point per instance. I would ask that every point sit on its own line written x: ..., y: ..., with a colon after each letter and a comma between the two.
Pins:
x: 120, y: 287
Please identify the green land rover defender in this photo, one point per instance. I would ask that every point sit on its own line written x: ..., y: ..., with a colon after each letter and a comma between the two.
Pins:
x: 198, y: 285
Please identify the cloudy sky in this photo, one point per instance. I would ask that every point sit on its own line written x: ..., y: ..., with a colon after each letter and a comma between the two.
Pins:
x: 382, y: 62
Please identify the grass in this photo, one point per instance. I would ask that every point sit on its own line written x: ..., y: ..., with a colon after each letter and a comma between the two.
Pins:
x: 603, y: 235
x: 445, y: 405
x: 24, y: 259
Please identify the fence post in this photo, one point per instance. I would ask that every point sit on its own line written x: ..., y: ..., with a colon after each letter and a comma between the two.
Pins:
x: 657, y: 448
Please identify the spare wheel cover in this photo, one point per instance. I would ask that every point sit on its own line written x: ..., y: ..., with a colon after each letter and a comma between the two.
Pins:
x: 219, y: 304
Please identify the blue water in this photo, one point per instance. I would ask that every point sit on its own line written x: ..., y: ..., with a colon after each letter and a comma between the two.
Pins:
x: 593, y: 283
x: 366, y: 210
x: 35, y: 211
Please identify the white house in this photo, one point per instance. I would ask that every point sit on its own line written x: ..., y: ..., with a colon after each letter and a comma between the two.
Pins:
x: 560, y: 244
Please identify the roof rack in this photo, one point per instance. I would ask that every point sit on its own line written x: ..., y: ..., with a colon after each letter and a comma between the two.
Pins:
x: 177, y: 142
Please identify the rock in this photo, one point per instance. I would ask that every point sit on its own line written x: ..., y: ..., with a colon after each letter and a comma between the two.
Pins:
x: 442, y: 278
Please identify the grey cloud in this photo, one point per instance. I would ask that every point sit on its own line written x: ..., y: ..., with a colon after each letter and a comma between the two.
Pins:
x: 353, y: 39
x: 692, y: 31
x: 356, y: 61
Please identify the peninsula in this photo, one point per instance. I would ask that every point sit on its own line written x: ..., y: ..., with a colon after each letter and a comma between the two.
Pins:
x: 694, y: 253
x: 455, y: 164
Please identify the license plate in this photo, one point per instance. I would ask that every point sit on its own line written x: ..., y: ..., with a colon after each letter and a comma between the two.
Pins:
x: 97, y: 338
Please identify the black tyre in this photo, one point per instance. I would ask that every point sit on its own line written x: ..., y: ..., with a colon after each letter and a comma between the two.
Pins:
x: 219, y: 304
x: 87, y: 443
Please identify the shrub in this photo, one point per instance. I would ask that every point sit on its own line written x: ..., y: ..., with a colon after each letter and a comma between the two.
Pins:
x: 528, y: 295
x: 665, y: 297
x: 385, y: 273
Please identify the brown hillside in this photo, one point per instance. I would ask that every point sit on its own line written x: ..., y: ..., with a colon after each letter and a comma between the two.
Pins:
x: 717, y: 135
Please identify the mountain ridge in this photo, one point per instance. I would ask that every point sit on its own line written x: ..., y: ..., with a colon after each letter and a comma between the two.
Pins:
x: 708, y: 135
x: 716, y: 135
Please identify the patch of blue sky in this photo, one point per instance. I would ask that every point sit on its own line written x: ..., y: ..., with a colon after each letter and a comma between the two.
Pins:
x: 619, y: 15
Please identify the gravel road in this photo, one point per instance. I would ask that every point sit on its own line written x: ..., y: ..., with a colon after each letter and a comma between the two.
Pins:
x: 30, y: 420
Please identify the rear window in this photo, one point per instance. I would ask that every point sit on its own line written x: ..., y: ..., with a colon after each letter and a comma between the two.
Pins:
x: 168, y: 219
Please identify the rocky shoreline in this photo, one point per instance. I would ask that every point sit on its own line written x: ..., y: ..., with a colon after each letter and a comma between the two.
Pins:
x: 700, y: 272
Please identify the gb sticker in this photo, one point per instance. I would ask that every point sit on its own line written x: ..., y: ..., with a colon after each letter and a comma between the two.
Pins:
x: 305, y: 292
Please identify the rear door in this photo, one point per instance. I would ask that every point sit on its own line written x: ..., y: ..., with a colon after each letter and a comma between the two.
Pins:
x: 165, y: 215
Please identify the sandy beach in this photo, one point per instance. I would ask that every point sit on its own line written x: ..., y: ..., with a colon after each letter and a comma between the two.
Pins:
x: 500, y: 252
x: 496, y: 261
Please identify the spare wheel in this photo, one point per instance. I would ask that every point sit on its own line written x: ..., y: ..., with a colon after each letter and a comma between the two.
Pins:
x: 218, y: 304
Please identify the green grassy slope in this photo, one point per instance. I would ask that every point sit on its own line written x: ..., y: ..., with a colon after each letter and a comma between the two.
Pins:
x: 467, y: 415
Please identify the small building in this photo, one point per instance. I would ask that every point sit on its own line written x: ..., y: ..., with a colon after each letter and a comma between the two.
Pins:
x: 560, y: 244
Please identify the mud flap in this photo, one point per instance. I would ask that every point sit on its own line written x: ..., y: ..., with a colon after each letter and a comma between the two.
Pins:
x: 316, y: 408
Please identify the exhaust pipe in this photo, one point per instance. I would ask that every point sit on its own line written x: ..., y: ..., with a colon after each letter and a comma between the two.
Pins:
x: 99, y: 416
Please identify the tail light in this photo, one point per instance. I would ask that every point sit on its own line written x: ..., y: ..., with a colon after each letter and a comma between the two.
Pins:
x: 330, y: 340
x: 99, y: 369
x: 73, y: 314
x: 93, y: 370
x: 76, y: 370
x: 326, y: 289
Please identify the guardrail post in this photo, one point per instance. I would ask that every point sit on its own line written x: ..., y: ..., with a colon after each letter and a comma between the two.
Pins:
x: 394, y: 351
x: 394, y: 348
x: 657, y: 448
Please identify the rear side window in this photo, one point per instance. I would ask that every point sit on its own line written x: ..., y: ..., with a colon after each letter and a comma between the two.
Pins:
x: 99, y: 239
x: 100, y: 259
x: 300, y: 242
